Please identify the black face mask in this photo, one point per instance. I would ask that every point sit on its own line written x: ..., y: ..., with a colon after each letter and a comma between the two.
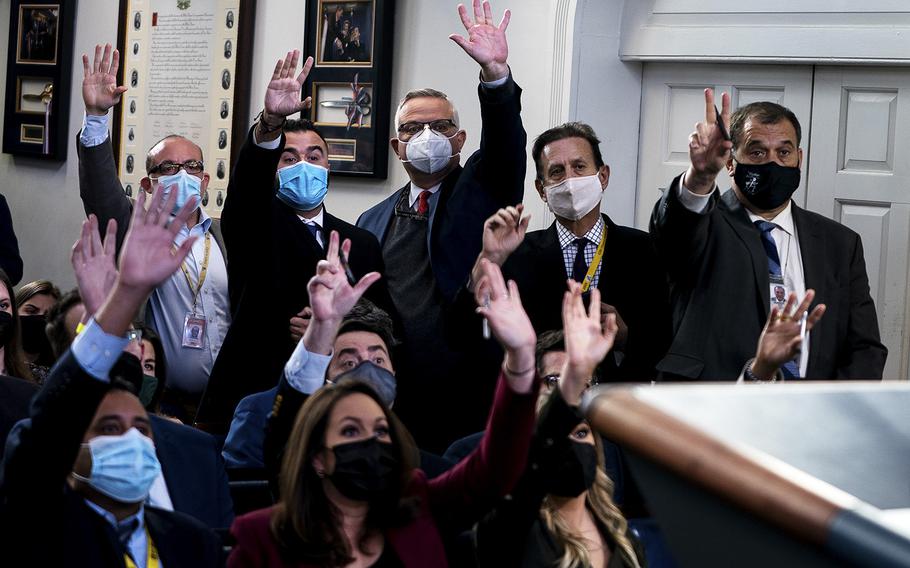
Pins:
x: 576, y: 472
x: 34, y: 338
x: 6, y: 327
x: 766, y: 186
x: 365, y: 470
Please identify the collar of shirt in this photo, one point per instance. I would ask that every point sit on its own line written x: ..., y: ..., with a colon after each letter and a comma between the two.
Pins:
x: 416, y: 191
x: 109, y: 517
x: 198, y: 230
x: 318, y: 219
x: 784, y: 219
x: 567, y: 237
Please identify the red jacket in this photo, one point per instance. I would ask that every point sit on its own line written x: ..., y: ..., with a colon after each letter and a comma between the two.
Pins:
x: 455, y: 499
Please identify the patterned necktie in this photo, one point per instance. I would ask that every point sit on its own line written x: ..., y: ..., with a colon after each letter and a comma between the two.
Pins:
x: 580, y: 267
x: 423, y: 204
x: 790, y: 368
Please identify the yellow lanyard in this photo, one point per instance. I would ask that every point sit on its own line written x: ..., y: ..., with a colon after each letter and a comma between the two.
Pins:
x: 202, y: 271
x: 595, y: 262
x: 151, y: 560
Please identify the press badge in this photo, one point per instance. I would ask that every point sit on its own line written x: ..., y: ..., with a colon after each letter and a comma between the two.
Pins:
x: 779, y: 291
x: 193, y: 331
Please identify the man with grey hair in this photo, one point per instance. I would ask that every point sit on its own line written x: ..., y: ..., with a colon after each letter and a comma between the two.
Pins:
x: 430, y: 230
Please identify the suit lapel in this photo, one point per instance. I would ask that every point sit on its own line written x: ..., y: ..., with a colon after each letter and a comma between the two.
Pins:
x: 159, y: 527
x: 611, y: 249
x: 811, y: 247
x: 748, y: 234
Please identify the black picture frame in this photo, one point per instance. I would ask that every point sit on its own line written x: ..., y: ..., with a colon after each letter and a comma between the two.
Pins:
x: 351, y: 82
x: 38, y: 77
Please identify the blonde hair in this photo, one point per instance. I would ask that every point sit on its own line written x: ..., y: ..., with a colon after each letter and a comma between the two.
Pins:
x: 598, y: 500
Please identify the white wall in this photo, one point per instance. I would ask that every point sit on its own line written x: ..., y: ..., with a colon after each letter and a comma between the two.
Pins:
x: 44, y: 197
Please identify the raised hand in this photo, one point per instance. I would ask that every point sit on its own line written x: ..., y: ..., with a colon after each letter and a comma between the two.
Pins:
x: 503, y: 232
x: 331, y: 295
x: 486, y: 42
x: 148, y: 256
x: 587, y: 341
x: 781, y: 339
x: 94, y: 263
x: 282, y: 96
x: 708, y: 148
x: 99, y: 81
x: 501, y: 305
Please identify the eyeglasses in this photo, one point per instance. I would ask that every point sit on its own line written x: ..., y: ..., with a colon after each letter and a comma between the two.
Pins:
x: 134, y: 335
x: 171, y: 168
x: 552, y: 380
x: 442, y: 126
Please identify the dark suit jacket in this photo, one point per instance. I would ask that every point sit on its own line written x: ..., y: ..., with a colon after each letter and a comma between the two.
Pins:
x: 447, y: 504
x: 10, y: 261
x: 631, y: 280
x: 492, y: 178
x: 15, y: 399
x: 37, y: 506
x: 719, y: 291
x: 102, y: 194
x: 271, y: 258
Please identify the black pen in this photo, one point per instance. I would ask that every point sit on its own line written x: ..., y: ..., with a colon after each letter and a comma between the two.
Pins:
x: 720, y: 124
x: 347, y: 268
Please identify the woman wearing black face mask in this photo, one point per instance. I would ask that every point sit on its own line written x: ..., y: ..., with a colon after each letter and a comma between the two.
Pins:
x: 350, y: 493
x: 562, y: 514
x: 12, y: 360
x: 34, y: 300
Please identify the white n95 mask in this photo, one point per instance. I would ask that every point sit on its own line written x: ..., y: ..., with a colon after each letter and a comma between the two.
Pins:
x: 574, y: 197
x: 429, y: 151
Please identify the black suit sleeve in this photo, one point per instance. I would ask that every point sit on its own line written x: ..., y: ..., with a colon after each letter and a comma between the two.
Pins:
x: 680, y: 236
x: 246, y: 211
x: 100, y: 189
x: 35, y: 469
x: 864, y: 355
x: 10, y: 261
x: 501, y: 161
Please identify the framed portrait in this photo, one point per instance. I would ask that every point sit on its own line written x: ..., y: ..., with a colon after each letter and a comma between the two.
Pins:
x: 350, y: 83
x: 38, y: 75
x: 187, y: 66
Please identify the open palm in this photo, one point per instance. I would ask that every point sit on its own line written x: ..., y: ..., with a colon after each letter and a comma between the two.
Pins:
x: 99, y: 81
x: 282, y: 96
x: 93, y: 263
x: 504, y: 232
x: 486, y: 42
x: 587, y: 341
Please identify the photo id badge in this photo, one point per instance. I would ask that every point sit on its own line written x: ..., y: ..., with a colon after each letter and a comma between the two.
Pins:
x: 193, y: 331
x: 779, y: 291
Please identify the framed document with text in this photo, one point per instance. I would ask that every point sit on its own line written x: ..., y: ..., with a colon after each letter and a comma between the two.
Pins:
x: 187, y: 66
x: 351, y: 44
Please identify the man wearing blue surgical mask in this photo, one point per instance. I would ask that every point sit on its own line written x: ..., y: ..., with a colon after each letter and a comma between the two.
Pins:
x: 190, y: 310
x: 276, y: 228
x: 430, y: 229
x: 727, y: 256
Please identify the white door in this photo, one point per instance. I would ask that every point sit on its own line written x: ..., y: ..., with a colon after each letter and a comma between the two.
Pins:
x: 860, y: 176
x: 673, y: 101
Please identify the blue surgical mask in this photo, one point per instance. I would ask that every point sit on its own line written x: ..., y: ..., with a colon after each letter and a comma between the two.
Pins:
x: 379, y: 379
x: 303, y: 186
x: 188, y: 186
x: 123, y: 467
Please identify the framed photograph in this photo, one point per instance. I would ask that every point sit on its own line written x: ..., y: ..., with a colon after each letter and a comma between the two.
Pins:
x: 351, y: 43
x: 38, y: 75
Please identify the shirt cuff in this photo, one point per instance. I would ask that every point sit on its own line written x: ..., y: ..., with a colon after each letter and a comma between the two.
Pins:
x: 96, y: 351
x: 267, y: 144
x: 305, y: 371
x: 493, y: 84
x: 694, y: 202
x: 94, y: 130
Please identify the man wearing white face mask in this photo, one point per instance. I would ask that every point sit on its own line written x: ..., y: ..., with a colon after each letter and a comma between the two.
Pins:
x: 586, y: 246
x: 85, y: 463
x: 277, y: 228
x: 195, y: 296
x: 430, y: 229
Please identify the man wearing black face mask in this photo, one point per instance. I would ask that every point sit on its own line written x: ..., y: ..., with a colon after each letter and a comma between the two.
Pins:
x: 727, y: 255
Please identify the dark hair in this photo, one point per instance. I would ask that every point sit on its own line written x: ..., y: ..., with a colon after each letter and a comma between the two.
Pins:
x: 561, y: 132
x: 303, y: 125
x: 160, y: 363
x: 13, y: 356
x: 28, y: 291
x: 149, y: 158
x: 367, y: 316
x: 305, y: 523
x: 547, y: 342
x: 763, y: 112
x: 57, y: 333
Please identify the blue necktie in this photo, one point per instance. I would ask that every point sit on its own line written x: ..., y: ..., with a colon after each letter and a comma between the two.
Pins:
x: 314, y: 230
x: 125, y: 533
x: 580, y: 267
x: 790, y: 368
